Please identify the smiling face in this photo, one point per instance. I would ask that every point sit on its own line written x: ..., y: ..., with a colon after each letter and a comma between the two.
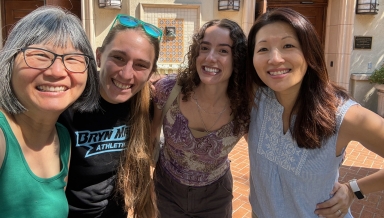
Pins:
x: 125, y: 65
x: 215, y: 62
x: 278, y: 58
x: 51, y: 90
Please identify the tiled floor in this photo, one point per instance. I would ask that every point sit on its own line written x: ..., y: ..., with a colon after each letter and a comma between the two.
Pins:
x: 358, y: 163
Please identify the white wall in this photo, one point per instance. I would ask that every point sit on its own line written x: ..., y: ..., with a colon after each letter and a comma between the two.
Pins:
x: 369, y: 25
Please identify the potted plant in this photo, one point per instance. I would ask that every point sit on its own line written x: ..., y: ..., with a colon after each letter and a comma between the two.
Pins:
x: 377, y: 77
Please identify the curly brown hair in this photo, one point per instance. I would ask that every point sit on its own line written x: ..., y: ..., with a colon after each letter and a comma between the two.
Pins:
x: 318, y: 99
x: 239, y: 91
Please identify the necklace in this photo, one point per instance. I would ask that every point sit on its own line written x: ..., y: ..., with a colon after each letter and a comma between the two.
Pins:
x: 197, y: 103
x: 201, y: 117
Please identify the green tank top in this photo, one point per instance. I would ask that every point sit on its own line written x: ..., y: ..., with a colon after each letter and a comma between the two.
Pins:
x: 22, y: 193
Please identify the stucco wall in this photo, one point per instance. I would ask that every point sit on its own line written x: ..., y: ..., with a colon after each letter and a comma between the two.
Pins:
x: 369, y: 25
x: 103, y: 18
x: 191, y: 14
x: 208, y: 8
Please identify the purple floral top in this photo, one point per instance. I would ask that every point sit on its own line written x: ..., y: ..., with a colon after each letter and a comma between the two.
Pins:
x: 189, y: 160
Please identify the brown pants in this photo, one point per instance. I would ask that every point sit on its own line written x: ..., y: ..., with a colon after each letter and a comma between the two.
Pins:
x: 181, y: 201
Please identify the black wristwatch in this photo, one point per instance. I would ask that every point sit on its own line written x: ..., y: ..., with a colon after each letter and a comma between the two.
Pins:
x: 355, y: 188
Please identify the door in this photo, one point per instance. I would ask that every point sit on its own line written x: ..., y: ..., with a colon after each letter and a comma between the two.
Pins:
x: 73, y: 6
x: 315, y: 11
x: 14, y: 10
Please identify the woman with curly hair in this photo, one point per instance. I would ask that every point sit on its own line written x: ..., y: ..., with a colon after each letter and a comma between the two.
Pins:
x: 205, y: 120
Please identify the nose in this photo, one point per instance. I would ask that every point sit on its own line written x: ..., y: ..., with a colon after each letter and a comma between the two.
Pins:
x: 211, y: 56
x: 275, y: 57
x: 57, y: 69
x: 126, y: 71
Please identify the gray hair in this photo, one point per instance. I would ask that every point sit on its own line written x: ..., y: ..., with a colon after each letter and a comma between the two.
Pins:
x: 45, y: 25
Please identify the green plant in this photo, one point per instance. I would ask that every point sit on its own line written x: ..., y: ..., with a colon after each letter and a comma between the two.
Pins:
x: 377, y: 76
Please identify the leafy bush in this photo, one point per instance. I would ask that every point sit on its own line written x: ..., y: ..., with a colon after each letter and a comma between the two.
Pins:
x: 377, y: 76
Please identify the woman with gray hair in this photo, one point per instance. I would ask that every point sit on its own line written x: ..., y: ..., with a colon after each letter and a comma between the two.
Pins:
x: 36, y: 87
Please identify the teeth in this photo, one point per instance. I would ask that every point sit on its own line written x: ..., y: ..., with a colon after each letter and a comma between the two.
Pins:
x: 121, y: 85
x: 211, y: 70
x: 274, y: 73
x: 52, y: 88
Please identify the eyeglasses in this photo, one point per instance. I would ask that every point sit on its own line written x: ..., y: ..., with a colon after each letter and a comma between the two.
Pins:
x: 132, y: 22
x: 39, y: 58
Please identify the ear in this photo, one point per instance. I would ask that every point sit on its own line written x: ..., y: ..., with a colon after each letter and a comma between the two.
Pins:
x: 98, y: 56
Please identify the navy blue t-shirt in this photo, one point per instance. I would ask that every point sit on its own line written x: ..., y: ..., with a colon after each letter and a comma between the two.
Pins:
x: 98, y: 138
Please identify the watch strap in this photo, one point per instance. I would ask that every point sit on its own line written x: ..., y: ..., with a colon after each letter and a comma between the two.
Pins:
x: 355, y: 188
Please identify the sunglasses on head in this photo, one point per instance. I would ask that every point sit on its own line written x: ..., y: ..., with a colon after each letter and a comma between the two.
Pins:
x: 132, y: 22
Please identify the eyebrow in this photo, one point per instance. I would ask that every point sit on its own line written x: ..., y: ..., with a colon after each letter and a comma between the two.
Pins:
x: 285, y: 37
x: 222, y: 44
x: 289, y: 36
x: 125, y: 54
x: 51, y: 48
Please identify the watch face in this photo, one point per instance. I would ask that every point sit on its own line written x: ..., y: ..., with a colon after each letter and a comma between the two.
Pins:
x: 359, y: 195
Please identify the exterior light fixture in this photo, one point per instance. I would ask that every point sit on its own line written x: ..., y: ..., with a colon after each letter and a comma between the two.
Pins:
x: 229, y: 5
x: 367, y: 6
x: 114, y: 4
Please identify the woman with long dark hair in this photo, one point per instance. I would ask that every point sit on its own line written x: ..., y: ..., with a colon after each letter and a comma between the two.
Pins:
x: 301, y: 124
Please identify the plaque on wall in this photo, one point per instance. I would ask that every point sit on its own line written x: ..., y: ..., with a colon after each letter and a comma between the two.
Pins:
x: 362, y: 42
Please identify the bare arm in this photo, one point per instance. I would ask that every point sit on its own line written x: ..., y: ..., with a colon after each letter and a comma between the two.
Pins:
x: 69, y: 160
x: 2, y: 147
x: 156, y: 127
x: 366, y: 127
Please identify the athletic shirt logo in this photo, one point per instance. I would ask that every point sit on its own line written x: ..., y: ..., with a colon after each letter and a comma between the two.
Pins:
x: 103, y: 141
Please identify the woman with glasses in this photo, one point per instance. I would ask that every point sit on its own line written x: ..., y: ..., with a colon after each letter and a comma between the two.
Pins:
x: 206, y: 118
x: 46, y: 66
x: 110, y: 162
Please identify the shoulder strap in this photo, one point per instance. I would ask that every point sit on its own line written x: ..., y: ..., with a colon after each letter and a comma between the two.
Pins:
x: 175, y: 91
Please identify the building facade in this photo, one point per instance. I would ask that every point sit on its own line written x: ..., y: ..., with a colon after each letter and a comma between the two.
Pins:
x: 353, y: 42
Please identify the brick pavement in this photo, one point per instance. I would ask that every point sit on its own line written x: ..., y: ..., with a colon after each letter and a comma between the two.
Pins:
x: 358, y: 163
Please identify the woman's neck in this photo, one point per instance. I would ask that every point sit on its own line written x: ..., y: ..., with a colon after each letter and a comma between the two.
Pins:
x: 211, y: 96
x: 35, y: 131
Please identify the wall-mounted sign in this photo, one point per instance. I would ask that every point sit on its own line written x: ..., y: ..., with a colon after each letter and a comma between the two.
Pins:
x: 362, y: 42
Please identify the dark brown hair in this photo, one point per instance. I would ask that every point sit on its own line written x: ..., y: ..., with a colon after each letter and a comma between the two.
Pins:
x: 318, y: 99
x: 239, y: 89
